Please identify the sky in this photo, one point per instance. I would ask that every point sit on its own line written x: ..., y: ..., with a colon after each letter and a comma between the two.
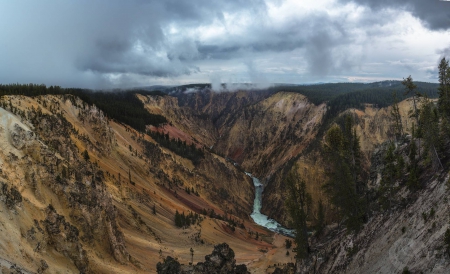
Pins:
x: 106, y: 44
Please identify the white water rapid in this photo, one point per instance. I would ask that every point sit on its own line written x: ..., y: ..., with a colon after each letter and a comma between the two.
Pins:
x: 262, y: 219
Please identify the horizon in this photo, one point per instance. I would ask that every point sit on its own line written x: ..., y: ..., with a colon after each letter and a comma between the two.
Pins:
x: 238, y: 86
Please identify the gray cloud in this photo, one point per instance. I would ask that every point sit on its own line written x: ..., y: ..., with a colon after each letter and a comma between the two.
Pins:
x: 435, y: 14
x: 101, y: 39
x: 140, y: 42
x: 444, y: 53
x: 321, y: 37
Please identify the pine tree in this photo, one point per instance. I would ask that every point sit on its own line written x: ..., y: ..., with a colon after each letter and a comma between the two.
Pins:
x: 288, y: 243
x: 410, y: 88
x: 178, y: 219
x: 298, y: 204
x: 400, y: 166
x: 444, y: 135
x: 183, y: 219
x: 192, y: 255
x: 444, y: 87
x: 388, y: 179
x: 343, y: 172
x: 320, y: 225
x: 356, y: 155
x: 413, y: 168
x: 397, y: 120
x: 86, y: 155
x: 129, y: 175
x: 429, y: 123
x: 352, y: 149
x: 64, y: 172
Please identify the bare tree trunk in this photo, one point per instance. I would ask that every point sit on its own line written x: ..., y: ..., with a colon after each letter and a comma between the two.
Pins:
x: 436, y: 159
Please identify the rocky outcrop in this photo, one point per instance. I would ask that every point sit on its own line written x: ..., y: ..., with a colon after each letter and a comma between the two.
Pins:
x: 43, y: 267
x: 287, y: 269
x: 220, y: 261
x: 63, y: 236
x: 20, y: 136
x: 169, y: 266
x: 104, y: 137
x: 9, y: 195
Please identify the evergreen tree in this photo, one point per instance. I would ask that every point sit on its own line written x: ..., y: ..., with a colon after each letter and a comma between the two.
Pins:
x: 410, y: 88
x: 288, y: 243
x: 183, y: 219
x: 320, y: 225
x: 178, y: 219
x: 388, y: 179
x: 192, y: 255
x: 400, y: 166
x: 397, y: 120
x: 187, y: 221
x: 444, y: 135
x: 413, y: 168
x: 64, y: 172
x: 352, y: 149
x: 86, y: 155
x: 429, y: 123
x: 444, y: 87
x: 298, y: 204
x: 343, y: 172
x: 129, y: 175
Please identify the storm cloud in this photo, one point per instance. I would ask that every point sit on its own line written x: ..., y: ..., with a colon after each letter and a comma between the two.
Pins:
x: 435, y: 14
x: 107, y: 44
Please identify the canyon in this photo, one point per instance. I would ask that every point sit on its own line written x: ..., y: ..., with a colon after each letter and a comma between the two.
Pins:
x: 81, y: 192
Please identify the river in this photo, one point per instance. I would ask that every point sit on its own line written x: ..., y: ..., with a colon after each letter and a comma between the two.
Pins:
x: 261, y: 219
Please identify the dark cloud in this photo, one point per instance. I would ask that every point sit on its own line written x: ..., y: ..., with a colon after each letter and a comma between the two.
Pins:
x: 434, y: 14
x: 103, y: 38
x: 266, y: 43
x: 117, y: 43
x: 140, y: 48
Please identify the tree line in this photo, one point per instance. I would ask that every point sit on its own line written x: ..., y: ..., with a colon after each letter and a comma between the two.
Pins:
x: 122, y: 106
x: 178, y: 146
x: 345, y: 95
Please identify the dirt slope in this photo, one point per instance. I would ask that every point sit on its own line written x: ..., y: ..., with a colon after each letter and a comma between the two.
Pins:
x: 65, y: 211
